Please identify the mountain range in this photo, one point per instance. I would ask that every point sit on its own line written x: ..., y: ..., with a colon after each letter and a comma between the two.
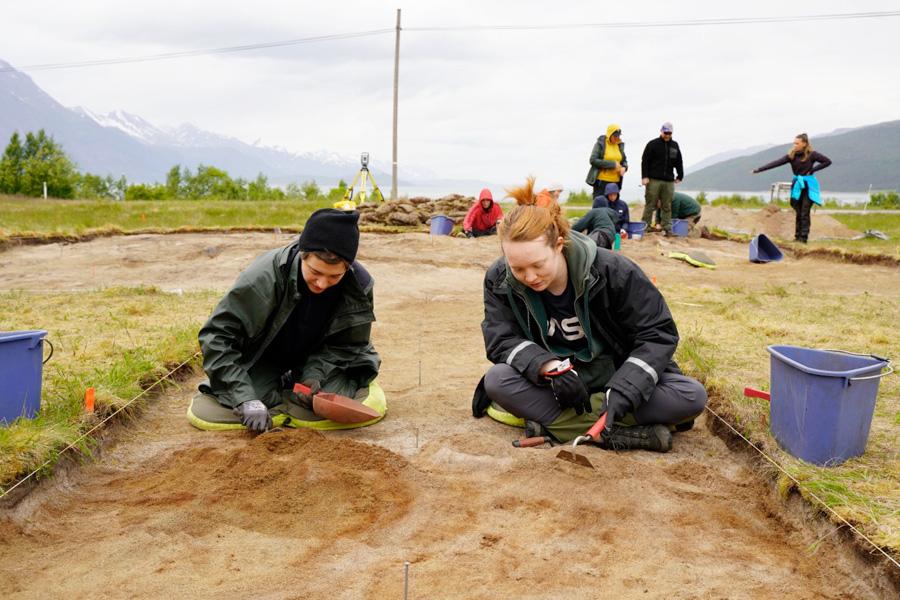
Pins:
x: 120, y: 143
x: 862, y: 158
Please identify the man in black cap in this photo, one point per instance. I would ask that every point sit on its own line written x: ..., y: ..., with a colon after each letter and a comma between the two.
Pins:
x: 301, y: 313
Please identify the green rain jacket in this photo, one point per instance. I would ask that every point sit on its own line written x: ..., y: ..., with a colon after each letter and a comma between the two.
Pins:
x: 250, y: 315
x: 597, y: 153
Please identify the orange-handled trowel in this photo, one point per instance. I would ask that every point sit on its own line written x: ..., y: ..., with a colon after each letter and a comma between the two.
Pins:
x: 338, y: 408
x: 592, y: 435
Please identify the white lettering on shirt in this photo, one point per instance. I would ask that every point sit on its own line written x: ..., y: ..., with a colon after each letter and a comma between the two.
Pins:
x: 571, y: 328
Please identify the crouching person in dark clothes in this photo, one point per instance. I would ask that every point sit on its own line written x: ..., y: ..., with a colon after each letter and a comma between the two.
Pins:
x: 599, y: 225
x: 555, y: 295
x: 301, y: 313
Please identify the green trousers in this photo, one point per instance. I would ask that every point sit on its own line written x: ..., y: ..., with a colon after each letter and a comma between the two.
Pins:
x: 659, y: 194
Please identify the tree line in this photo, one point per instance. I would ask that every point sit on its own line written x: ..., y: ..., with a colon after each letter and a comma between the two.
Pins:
x: 27, y: 166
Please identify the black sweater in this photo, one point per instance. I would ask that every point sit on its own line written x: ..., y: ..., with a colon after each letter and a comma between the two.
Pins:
x: 798, y: 165
x: 659, y: 158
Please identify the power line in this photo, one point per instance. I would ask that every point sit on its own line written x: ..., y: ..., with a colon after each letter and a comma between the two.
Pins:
x: 460, y: 28
x: 202, y: 52
x: 667, y: 23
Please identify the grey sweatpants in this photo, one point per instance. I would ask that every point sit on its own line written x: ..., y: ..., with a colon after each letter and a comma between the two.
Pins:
x: 675, y: 399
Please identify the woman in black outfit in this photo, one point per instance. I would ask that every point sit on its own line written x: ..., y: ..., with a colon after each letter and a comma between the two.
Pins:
x: 804, y: 162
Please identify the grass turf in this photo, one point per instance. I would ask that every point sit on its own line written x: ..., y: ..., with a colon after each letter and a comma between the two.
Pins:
x: 35, y: 217
x: 724, y: 343
x: 116, y: 340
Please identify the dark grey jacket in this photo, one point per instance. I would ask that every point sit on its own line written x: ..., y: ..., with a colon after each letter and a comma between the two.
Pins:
x: 631, y: 334
x: 250, y: 315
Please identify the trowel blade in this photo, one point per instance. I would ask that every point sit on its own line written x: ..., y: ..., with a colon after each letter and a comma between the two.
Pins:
x: 574, y: 457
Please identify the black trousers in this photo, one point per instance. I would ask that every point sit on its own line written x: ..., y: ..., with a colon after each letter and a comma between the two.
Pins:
x: 802, y: 207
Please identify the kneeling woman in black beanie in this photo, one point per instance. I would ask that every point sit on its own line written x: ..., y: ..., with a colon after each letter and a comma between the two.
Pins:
x: 301, y: 313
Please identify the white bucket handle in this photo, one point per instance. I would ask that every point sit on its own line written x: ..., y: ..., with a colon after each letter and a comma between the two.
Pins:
x: 889, y: 366
x: 890, y: 369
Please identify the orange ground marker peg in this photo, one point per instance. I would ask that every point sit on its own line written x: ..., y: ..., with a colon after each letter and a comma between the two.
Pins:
x: 653, y: 279
x: 89, y: 400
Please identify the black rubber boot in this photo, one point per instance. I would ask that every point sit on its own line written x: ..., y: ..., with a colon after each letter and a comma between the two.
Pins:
x: 656, y: 438
x: 686, y: 426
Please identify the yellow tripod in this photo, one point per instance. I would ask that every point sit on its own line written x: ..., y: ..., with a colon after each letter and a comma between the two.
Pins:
x: 363, y: 177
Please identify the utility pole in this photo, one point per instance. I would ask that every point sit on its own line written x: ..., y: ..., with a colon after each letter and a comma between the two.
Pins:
x: 396, y: 87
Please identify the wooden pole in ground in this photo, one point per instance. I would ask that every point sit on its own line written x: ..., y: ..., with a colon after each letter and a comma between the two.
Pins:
x: 396, y: 87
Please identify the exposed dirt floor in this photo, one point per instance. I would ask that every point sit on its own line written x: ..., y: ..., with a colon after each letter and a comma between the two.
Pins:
x: 170, y: 511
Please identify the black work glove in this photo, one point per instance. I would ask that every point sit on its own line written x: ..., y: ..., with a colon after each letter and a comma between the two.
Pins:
x: 287, y: 381
x: 254, y: 415
x: 617, y: 406
x: 569, y: 390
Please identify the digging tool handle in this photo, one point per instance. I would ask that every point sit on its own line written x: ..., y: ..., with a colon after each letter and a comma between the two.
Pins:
x: 532, y: 441
x: 596, y: 428
x: 299, y: 388
x: 754, y: 393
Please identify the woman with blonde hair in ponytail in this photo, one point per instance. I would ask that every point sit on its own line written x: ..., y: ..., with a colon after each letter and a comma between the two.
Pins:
x: 804, y: 163
x: 574, y: 331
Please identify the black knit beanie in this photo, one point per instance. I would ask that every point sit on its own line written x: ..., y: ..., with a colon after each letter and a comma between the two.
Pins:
x: 334, y: 230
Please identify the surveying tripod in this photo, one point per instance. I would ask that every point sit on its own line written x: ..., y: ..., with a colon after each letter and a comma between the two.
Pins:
x: 362, y: 177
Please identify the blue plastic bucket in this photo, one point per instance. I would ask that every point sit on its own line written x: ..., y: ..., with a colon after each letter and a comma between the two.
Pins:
x: 680, y: 227
x: 21, y: 365
x: 763, y: 250
x: 635, y: 229
x: 822, y: 402
x: 441, y: 225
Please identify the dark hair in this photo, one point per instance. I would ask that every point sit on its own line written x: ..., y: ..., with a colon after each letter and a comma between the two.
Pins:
x: 326, y: 256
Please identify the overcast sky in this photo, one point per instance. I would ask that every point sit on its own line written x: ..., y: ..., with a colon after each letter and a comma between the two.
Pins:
x: 494, y: 105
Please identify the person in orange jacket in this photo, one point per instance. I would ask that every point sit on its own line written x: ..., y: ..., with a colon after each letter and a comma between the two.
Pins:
x: 483, y: 217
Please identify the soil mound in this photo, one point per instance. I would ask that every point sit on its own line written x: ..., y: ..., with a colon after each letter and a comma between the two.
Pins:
x: 296, y: 482
x: 775, y: 222
x: 415, y: 211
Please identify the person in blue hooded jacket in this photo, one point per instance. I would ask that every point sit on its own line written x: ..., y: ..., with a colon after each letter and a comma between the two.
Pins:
x: 613, y: 200
x: 804, y: 163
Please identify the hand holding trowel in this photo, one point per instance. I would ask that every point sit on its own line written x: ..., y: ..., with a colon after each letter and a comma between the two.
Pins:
x: 336, y: 407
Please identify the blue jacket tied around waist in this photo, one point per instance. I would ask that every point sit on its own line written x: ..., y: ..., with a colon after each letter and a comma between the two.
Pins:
x: 806, y: 181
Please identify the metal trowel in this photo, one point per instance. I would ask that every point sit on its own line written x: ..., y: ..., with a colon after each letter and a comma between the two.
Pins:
x: 592, y: 435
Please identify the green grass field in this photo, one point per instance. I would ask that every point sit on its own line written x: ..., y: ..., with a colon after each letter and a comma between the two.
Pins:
x: 721, y: 344
x: 116, y: 340
x: 33, y: 216
x: 888, y: 223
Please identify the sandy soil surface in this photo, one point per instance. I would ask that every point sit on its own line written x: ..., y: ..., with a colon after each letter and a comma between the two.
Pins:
x: 169, y: 511
x: 776, y: 223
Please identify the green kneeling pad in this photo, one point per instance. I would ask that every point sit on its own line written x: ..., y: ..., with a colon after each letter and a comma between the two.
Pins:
x: 501, y: 416
x: 570, y: 425
x: 205, y: 412
x: 695, y: 258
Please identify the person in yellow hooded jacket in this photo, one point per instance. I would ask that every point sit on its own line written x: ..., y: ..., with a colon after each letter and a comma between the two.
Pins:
x: 608, y: 161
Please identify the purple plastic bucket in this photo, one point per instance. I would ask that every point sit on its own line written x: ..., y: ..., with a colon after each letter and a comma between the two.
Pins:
x: 823, y: 401
x: 681, y: 227
x: 441, y: 225
x: 21, y: 368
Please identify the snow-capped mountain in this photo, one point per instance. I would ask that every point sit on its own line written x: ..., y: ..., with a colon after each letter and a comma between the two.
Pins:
x: 121, y: 143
